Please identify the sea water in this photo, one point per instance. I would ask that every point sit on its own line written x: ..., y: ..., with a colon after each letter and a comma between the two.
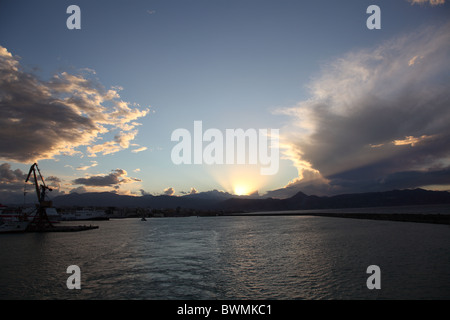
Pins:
x: 230, y: 257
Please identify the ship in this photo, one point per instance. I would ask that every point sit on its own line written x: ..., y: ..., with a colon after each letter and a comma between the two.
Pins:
x: 9, y: 226
x: 84, y: 214
x: 14, y: 219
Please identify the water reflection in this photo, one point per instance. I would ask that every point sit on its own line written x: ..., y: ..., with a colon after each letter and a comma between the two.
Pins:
x: 231, y: 258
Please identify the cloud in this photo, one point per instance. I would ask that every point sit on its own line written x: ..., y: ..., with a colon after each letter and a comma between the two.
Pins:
x: 374, y: 114
x: 12, y: 184
x: 121, y: 141
x: 414, y: 60
x: 169, y: 191
x: 192, y: 191
x: 139, y: 149
x: 11, y: 179
x: 432, y: 2
x: 80, y: 189
x: 114, y: 179
x: 410, y: 140
x: 53, y: 182
x: 43, y: 119
x: 93, y: 164
x: 144, y: 193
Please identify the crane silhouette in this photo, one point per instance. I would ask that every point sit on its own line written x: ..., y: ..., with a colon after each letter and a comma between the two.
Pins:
x: 40, y: 221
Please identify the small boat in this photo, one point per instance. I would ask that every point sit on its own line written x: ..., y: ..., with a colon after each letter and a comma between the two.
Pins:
x: 142, y: 213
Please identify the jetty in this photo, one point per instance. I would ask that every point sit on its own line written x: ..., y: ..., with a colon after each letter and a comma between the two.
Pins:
x: 404, y: 217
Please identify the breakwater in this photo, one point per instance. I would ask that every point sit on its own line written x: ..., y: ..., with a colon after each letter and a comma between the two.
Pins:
x: 405, y: 217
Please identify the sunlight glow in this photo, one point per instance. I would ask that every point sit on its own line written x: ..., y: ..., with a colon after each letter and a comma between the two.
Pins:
x: 239, y: 179
x: 242, y: 190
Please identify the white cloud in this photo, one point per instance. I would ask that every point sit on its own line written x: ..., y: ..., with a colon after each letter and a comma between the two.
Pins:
x: 410, y: 140
x: 93, y: 164
x: 432, y: 2
x: 169, y: 191
x: 139, y: 149
x: 121, y: 141
x: 193, y: 191
x: 43, y: 119
x: 414, y: 60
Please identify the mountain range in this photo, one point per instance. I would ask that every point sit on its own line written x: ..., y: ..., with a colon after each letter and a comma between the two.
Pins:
x: 217, y: 200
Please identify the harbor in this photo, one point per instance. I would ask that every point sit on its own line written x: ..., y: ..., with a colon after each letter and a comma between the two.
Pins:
x: 42, y: 218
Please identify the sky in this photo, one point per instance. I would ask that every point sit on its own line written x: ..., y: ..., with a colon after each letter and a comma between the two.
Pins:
x: 357, y: 109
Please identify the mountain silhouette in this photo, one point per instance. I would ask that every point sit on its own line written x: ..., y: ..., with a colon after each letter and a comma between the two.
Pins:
x: 217, y: 200
x: 301, y: 201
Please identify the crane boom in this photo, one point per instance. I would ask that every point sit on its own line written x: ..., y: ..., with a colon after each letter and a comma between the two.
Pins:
x: 40, y: 220
x: 40, y: 190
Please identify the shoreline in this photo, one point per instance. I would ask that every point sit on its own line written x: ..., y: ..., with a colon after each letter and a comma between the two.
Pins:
x: 401, y: 217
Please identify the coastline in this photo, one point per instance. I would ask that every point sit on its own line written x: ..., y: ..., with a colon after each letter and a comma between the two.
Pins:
x: 403, y: 217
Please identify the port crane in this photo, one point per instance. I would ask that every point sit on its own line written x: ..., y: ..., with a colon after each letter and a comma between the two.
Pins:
x: 40, y: 220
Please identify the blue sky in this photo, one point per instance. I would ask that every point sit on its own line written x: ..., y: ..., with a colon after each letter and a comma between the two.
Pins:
x: 230, y: 64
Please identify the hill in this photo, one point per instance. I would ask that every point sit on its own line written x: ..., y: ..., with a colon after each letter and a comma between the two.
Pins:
x: 216, y: 200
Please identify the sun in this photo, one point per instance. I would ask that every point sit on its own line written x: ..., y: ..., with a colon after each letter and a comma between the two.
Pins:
x: 242, y: 190
x: 240, y: 180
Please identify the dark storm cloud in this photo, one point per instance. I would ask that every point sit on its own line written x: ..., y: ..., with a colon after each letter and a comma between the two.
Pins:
x: 397, y: 180
x: 11, y: 179
x: 11, y: 185
x: 376, y: 116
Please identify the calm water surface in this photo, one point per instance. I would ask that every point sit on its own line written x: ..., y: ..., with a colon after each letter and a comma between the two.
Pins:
x: 230, y: 258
